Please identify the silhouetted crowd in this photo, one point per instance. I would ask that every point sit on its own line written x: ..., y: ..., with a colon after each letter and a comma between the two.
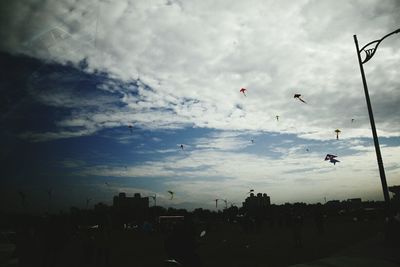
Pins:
x: 85, y: 239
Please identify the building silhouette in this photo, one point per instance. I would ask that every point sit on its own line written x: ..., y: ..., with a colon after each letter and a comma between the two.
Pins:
x: 354, y: 204
x: 135, y: 203
x: 257, y: 201
x: 130, y: 210
x: 396, y: 191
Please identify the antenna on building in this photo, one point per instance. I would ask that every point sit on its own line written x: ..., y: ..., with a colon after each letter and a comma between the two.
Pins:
x: 216, y: 203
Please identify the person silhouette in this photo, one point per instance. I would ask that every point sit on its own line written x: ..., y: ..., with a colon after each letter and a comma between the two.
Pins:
x: 180, y: 245
x: 297, y: 224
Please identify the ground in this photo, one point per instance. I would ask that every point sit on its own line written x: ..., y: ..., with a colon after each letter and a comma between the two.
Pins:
x: 228, y: 245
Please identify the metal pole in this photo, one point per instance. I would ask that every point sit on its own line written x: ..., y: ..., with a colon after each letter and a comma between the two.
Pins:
x: 372, y: 121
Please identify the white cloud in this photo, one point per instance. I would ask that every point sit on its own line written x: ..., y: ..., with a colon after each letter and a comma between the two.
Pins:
x: 206, y: 51
x: 47, y: 136
x: 211, y: 173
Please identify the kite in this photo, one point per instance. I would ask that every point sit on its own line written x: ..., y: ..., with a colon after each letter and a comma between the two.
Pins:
x: 171, y: 193
x: 182, y: 147
x: 308, y: 150
x: 203, y: 233
x: 352, y: 120
x: 298, y: 96
x: 277, y: 118
x: 252, y: 141
x: 172, y: 262
x: 331, y: 158
x: 337, y: 131
x: 243, y: 91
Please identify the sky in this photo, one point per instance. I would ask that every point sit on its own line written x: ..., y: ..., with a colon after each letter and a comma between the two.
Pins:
x: 98, y: 96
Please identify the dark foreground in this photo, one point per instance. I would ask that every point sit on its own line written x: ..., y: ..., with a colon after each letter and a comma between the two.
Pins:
x: 222, y: 245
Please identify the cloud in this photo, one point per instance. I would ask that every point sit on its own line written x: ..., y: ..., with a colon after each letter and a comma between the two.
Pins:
x: 226, y: 140
x: 201, y: 173
x: 47, y: 136
x: 192, y: 62
x: 72, y: 163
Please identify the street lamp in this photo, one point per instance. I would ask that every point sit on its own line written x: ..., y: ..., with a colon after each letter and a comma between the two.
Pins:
x: 369, y: 53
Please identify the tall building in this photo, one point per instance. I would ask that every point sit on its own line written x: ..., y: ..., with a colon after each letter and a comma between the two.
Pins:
x: 259, y: 201
x: 135, y: 203
x: 354, y: 203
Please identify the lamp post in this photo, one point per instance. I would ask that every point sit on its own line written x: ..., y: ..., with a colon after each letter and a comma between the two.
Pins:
x: 369, y: 53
